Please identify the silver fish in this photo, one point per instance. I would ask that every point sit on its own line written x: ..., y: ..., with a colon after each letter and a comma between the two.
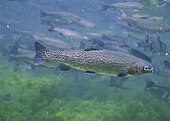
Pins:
x: 73, y: 34
x: 123, y: 5
x: 145, y: 24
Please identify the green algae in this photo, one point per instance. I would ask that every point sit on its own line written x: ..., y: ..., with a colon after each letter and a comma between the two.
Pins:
x: 50, y: 97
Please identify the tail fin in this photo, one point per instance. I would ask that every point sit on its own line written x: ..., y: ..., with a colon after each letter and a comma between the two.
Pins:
x: 150, y: 84
x: 13, y: 49
x: 51, y: 29
x: 43, y: 13
x: 39, y: 48
x: 105, y: 6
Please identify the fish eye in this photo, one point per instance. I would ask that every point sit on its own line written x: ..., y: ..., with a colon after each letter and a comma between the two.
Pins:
x: 146, y: 68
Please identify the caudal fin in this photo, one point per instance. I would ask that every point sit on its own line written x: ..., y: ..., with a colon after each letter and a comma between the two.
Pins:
x: 43, y: 13
x: 39, y: 48
x: 105, y: 6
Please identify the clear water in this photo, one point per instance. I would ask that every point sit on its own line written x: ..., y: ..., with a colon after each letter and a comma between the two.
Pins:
x: 49, y: 94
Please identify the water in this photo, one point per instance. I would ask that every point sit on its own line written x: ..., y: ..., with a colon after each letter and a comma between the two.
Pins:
x: 45, y: 93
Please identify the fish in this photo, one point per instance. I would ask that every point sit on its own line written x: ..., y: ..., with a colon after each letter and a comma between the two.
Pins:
x: 62, y: 16
x: 98, y: 61
x: 154, y: 46
x: 6, y: 97
x: 152, y: 84
x: 164, y: 2
x: 166, y: 65
x: 37, y: 36
x: 144, y: 24
x: 65, y: 18
x: 158, y: 90
x: 85, y: 23
x: 52, y: 21
x: 123, y: 5
x: 72, y: 34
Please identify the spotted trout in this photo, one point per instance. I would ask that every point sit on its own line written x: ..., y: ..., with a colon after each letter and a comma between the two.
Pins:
x: 95, y: 61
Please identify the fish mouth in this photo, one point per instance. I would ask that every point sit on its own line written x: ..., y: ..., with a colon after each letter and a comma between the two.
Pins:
x: 151, y: 70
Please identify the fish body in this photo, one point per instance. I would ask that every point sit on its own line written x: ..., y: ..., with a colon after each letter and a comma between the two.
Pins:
x: 98, y: 61
x: 85, y: 23
x: 162, y: 2
x: 50, y: 41
x: 153, y: 45
x: 66, y: 18
x: 52, y: 21
x: 123, y: 5
x: 62, y: 16
x: 69, y: 33
x: 145, y: 24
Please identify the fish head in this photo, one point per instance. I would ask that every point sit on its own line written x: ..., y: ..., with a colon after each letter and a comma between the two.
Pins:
x: 139, y: 68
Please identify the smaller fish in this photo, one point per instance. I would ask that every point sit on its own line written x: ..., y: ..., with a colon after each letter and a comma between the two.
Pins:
x: 118, y: 83
x: 164, y: 2
x: 85, y: 23
x: 52, y: 21
x: 152, y: 84
x: 158, y: 92
x: 62, y: 16
x: 144, y: 24
x: 68, y: 33
x: 6, y: 97
x: 123, y: 5
x: 167, y: 65
x: 153, y: 45
x: 50, y: 41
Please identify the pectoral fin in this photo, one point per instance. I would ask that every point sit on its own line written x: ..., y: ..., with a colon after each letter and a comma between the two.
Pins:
x: 89, y: 72
x: 94, y: 47
x: 122, y: 74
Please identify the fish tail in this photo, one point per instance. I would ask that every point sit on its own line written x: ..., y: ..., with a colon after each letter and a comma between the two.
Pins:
x: 40, y: 56
x: 105, y: 6
x: 51, y: 29
x: 13, y: 50
x: 43, y: 13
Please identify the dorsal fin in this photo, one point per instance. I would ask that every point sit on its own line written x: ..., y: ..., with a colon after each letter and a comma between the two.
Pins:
x: 93, y: 47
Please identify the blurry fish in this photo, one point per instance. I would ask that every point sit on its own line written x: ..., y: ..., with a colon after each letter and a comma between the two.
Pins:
x: 118, y: 83
x: 167, y: 65
x: 154, y: 45
x: 68, y: 33
x: 23, y: 59
x: 161, y: 2
x: 50, y: 41
x: 144, y: 24
x: 85, y: 23
x: 6, y: 97
x: 62, y: 16
x: 65, y: 18
x: 158, y: 91
x: 152, y: 84
x: 123, y: 5
x: 52, y: 21
x: 139, y: 54
x: 98, y: 61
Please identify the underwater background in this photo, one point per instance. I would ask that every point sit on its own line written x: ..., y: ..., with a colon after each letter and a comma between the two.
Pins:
x: 35, y: 93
